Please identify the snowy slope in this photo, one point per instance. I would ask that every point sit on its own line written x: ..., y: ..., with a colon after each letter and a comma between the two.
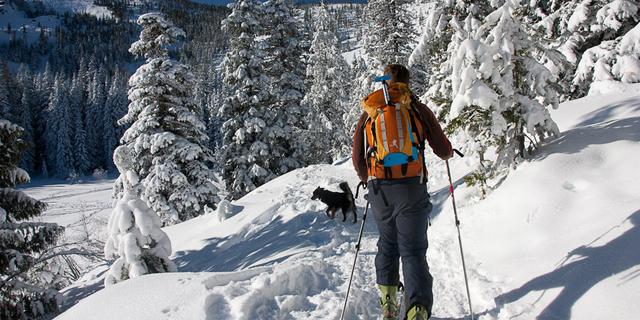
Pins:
x: 557, y: 240
x: 79, y: 6
x: 19, y: 22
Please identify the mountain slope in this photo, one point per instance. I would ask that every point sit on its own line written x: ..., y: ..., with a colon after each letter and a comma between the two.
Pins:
x: 558, y: 239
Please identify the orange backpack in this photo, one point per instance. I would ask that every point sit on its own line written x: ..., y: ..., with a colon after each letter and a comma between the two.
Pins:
x: 393, y: 135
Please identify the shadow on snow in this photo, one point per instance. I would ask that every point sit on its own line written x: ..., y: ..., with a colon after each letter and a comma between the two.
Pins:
x: 274, y: 242
x: 577, y: 277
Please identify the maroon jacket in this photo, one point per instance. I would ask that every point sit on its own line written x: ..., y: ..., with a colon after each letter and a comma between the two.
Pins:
x: 434, y: 135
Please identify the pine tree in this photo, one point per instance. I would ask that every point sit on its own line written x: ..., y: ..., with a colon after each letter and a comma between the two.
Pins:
x: 167, y: 134
x: 448, y: 56
x: 613, y: 60
x: 588, y: 33
x: 284, y: 66
x: 58, y: 132
x: 43, y: 88
x: 391, y: 32
x: 430, y: 60
x: 114, y: 109
x: 21, y: 243
x: 500, y: 92
x: 362, y: 84
x: 79, y: 134
x: 5, y: 103
x: 136, y: 241
x: 24, y: 117
x: 245, y: 142
x: 327, y: 97
x: 96, y: 96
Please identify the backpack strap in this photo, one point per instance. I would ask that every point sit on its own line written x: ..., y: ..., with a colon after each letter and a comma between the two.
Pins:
x: 420, y: 144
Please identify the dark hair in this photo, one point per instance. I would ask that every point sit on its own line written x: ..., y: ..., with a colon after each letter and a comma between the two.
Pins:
x: 398, y: 73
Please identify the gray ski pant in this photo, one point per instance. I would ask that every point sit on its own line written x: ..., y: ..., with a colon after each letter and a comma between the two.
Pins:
x: 401, y: 209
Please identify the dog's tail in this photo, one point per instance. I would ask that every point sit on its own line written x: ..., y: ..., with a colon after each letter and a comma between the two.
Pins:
x: 344, y: 186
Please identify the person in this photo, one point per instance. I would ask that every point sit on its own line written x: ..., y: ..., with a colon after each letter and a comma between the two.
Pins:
x: 399, y: 199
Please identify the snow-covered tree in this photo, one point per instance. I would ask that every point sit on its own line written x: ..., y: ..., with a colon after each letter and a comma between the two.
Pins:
x: 362, y: 84
x: 327, y: 97
x: 115, y: 108
x: 500, y: 92
x: 76, y: 108
x: 58, y: 131
x: 167, y: 134
x: 5, y: 104
x: 136, y: 240
x: 390, y: 33
x: 94, y: 122
x: 588, y: 33
x: 246, y: 158
x: 24, y: 117
x: 284, y: 66
x: 442, y: 36
x: 21, y: 243
x: 617, y: 60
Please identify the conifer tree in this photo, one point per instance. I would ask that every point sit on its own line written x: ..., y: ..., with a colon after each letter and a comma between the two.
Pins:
x: 284, y: 66
x: 21, y: 243
x: 114, y: 109
x: 5, y: 104
x: 362, y: 84
x: 96, y: 97
x: 589, y: 35
x: 24, y: 117
x: 76, y: 107
x: 430, y: 59
x: 390, y: 32
x: 58, y: 131
x: 246, y: 153
x: 327, y: 97
x: 500, y: 93
x: 167, y: 134
x: 136, y: 241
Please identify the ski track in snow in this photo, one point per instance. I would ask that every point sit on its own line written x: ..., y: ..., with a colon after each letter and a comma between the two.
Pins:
x: 325, y: 268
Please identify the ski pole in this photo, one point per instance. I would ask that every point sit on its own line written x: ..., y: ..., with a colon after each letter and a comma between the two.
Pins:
x: 353, y: 268
x: 455, y: 212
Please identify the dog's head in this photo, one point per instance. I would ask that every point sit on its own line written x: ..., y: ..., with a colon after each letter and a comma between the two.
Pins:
x: 316, y: 193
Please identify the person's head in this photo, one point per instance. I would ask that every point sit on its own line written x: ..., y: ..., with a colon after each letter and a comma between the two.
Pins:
x: 398, y: 73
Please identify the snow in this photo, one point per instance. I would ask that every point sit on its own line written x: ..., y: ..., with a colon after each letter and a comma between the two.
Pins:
x: 83, y: 6
x: 19, y: 22
x: 579, y: 16
x: 556, y: 240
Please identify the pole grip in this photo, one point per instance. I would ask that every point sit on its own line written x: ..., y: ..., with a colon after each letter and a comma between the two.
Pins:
x: 458, y: 153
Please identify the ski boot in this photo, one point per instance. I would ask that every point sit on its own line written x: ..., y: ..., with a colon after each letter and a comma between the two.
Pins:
x: 417, y: 312
x: 389, y: 302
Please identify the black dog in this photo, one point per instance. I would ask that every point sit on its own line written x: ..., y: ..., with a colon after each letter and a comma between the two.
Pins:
x: 337, y: 200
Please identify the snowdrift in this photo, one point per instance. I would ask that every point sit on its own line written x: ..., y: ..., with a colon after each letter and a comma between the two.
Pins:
x: 557, y: 240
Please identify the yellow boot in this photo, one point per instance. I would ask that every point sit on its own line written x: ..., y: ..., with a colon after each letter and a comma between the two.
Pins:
x: 389, y: 302
x: 418, y: 312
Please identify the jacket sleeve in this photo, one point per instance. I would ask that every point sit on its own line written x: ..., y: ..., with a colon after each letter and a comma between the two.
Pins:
x: 438, y: 141
x: 358, y: 152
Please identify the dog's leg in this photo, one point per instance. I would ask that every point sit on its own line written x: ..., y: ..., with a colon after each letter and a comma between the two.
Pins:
x: 328, y: 212
x: 355, y: 212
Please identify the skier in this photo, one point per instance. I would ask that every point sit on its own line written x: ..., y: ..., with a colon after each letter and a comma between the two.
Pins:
x: 393, y: 168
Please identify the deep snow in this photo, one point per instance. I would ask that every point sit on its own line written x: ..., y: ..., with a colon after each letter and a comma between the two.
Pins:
x: 556, y: 240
